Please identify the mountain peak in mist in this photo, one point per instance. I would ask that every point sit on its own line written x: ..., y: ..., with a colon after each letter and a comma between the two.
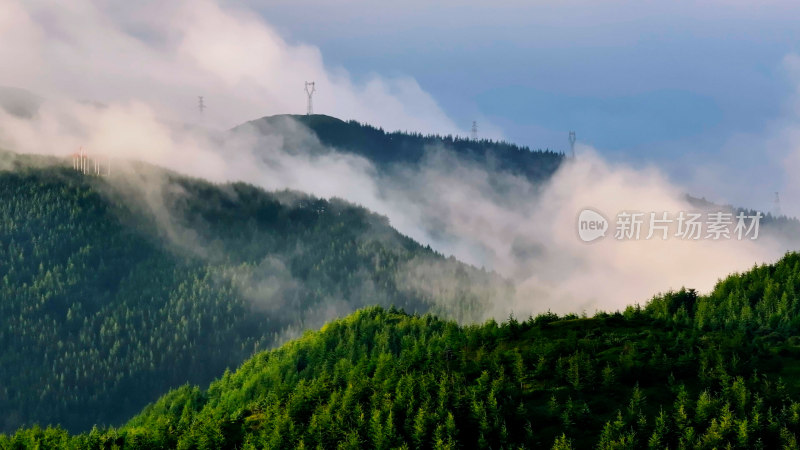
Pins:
x: 386, y: 148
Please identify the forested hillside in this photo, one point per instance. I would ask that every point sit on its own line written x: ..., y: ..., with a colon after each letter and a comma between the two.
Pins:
x: 393, y: 152
x: 116, y: 290
x: 684, y: 371
x: 385, y: 149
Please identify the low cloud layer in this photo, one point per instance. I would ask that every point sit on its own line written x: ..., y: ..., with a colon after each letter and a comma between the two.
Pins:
x: 167, y: 54
x: 126, y: 88
x: 499, y: 221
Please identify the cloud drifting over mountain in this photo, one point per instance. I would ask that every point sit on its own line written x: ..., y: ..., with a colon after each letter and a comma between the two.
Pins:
x: 167, y: 54
x: 118, y: 82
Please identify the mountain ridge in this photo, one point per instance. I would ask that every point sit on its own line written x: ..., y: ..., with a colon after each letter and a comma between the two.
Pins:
x: 118, y: 289
x: 388, y: 149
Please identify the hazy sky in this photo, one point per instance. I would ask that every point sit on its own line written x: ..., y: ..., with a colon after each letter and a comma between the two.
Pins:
x: 709, y: 92
x: 672, y: 82
x: 622, y: 73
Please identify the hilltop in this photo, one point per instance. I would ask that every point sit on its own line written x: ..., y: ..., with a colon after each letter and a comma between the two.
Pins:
x: 388, y: 149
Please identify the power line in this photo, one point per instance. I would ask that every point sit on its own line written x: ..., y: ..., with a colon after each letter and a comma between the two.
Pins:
x: 474, y: 131
x: 200, y: 104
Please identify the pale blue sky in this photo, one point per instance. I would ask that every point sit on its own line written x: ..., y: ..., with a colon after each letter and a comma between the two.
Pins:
x: 622, y: 75
x: 640, y: 81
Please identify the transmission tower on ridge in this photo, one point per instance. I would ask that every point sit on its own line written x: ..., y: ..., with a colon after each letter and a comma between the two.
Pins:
x: 201, y: 104
x: 572, y: 140
x: 310, y: 89
x: 777, y: 211
x: 474, y: 130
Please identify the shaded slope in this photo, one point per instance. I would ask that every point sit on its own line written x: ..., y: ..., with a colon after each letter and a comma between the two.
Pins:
x: 112, y: 293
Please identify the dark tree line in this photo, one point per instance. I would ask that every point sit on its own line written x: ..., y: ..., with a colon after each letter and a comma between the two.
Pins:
x: 388, y: 149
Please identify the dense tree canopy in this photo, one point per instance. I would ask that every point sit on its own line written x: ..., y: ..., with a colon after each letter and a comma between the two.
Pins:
x: 108, y: 303
x: 676, y: 373
x: 115, y: 291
